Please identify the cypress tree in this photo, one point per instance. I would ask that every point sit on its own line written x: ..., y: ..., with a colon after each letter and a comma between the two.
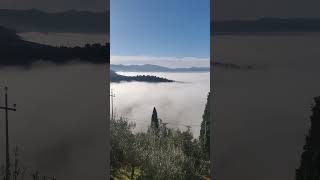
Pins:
x: 154, y: 121
x: 205, y: 129
x: 310, y: 159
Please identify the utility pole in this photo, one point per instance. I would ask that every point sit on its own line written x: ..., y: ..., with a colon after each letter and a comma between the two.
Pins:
x: 6, y: 108
x: 112, y: 95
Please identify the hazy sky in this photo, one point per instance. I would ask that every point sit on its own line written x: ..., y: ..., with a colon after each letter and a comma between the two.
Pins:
x: 56, y: 5
x: 163, y: 28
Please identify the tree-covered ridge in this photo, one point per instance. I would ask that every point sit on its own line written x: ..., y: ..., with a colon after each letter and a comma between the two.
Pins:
x: 8, y: 35
x: 232, y: 66
x: 310, y: 159
x: 162, y: 153
x: 115, y: 77
x: 18, y: 52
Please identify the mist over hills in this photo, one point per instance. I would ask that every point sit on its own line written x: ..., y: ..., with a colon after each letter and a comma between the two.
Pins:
x: 266, y: 25
x: 72, y: 21
x: 15, y: 51
x: 157, y: 68
x: 154, y: 68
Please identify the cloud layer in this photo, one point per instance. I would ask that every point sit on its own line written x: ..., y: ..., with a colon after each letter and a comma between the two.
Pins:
x: 172, y: 62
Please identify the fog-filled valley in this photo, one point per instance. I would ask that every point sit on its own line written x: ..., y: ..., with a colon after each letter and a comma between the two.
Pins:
x: 261, y: 116
x: 61, y: 120
x: 179, y: 103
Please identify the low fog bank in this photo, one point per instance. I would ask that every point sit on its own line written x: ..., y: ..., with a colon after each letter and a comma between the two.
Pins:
x: 61, y: 121
x: 179, y: 104
x: 262, y: 116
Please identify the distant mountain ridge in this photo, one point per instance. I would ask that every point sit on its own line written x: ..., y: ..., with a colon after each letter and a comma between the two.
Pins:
x: 266, y: 25
x: 157, y: 68
x: 74, y: 21
x: 154, y: 68
x: 71, y: 21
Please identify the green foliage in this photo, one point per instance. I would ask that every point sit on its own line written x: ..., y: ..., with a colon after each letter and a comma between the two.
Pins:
x: 170, y: 154
x: 122, y: 140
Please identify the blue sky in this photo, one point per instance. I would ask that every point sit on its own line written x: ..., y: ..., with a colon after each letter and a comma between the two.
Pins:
x: 160, y: 28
